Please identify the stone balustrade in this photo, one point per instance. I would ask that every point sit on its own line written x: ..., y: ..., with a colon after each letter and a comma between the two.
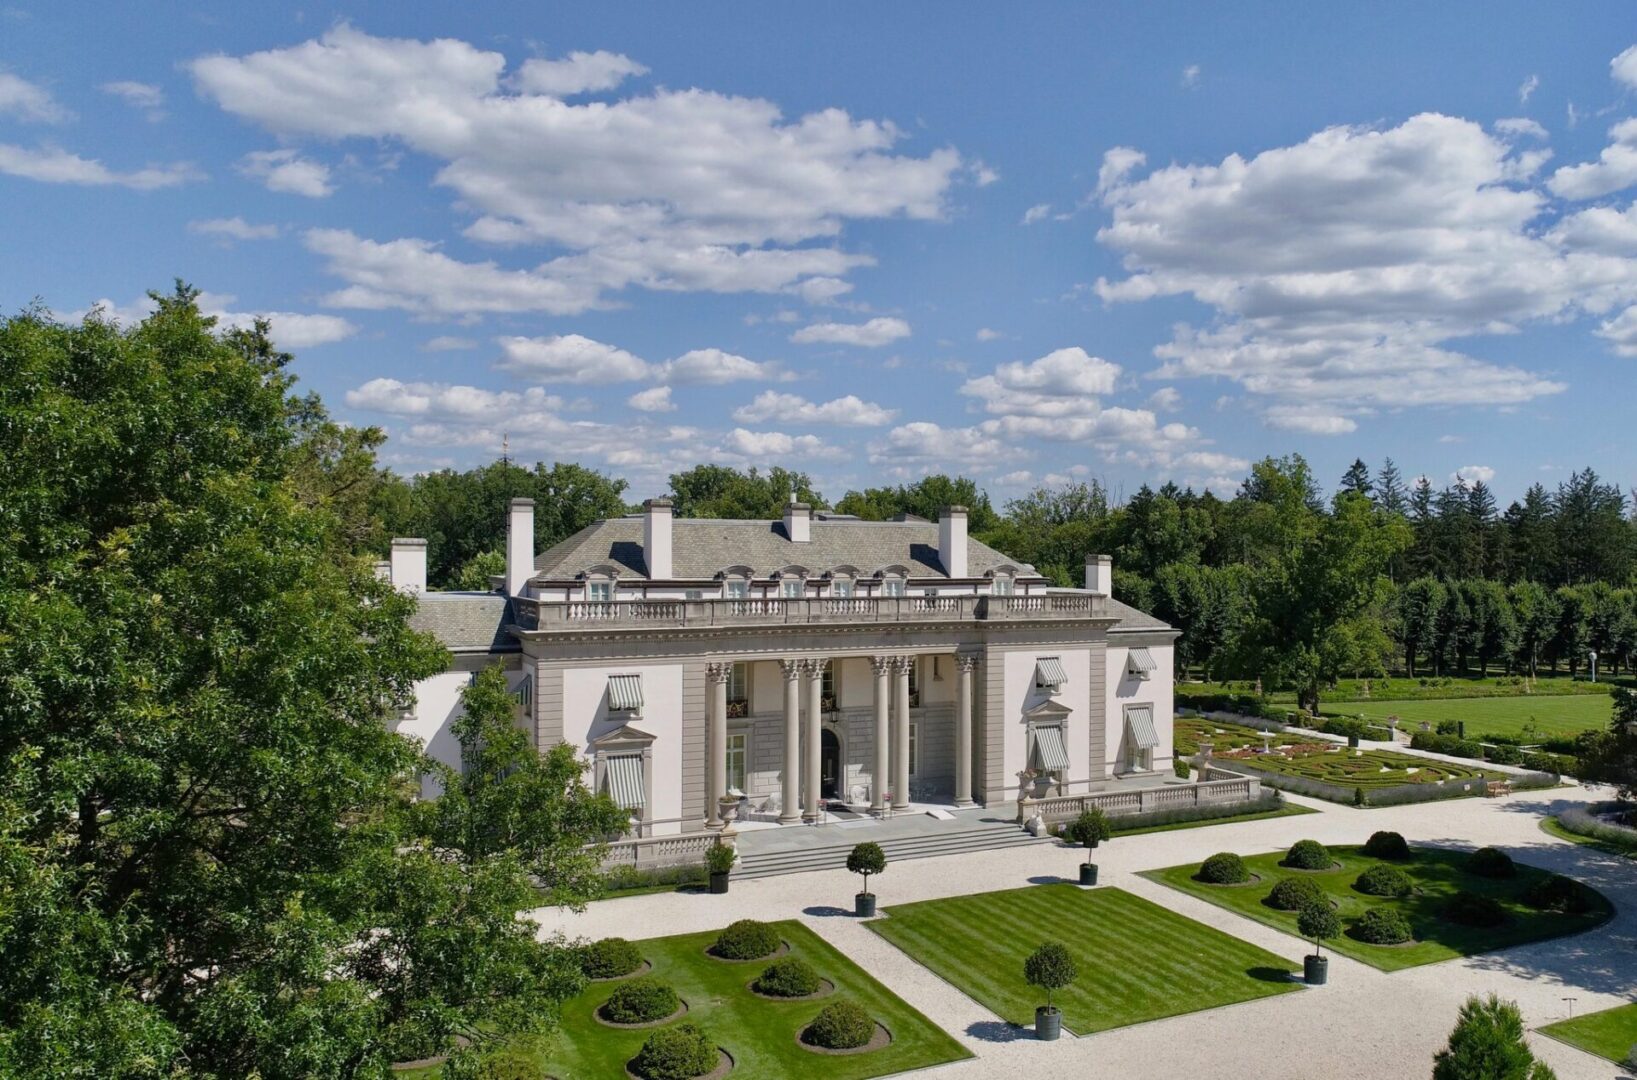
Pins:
x: 580, y: 615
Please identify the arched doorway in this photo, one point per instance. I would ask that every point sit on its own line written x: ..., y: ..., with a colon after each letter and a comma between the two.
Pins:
x: 829, y: 765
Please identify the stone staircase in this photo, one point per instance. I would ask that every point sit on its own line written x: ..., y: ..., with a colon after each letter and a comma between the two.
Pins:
x: 957, y: 838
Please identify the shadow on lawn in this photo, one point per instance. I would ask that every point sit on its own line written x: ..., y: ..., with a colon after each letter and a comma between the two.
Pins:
x: 997, y: 1031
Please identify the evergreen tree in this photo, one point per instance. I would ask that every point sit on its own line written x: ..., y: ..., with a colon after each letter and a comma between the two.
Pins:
x: 1488, y: 1044
x: 1532, y: 534
x: 1356, y: 480
x: 1390, y: 493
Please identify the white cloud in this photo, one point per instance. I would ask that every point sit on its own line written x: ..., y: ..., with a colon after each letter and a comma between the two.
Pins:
x: 758, y: 446
x: 923, y: 444
x: 29, y: 102
x: 1451, y: 439
x: 1166, y: 399
x: 850, y: 411
x: 1063, y: 383
x: 577, y: 73
x: 1521, y: 125
x: 288, y: 329
x: 1527, y: 88
x: 1473, y: 474
x: 1190, y: 76
x: 570, y: 358
x: 288, y: 172
x: 1338, y: 268
x: 1623, y: 68
x: 676, y: 189
x: 53, y: 166
x: 986, y: 334
x: 878, y: 331
x: 139, y: 95
x: 1017, y: 478
x: 1117, y: 165
x: 713, y: 367
x: 448, y: 343
x: 1614, y: 169
x: 444, y: 401
x: 1621, y: 332
x: 233, y: 228
x: 1037, y: 212
x: 1307, y: 421
x: 655, y: 399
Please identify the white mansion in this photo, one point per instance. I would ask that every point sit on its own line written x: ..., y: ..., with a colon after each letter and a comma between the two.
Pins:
x: 769, y: 669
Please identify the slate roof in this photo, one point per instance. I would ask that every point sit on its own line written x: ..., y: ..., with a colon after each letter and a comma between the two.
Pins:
x: 1132, y: 619
x: 702, y: 547
x: 466, y: 621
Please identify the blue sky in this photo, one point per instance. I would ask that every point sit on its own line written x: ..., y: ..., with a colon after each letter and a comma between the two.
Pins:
x: 1134, y: 242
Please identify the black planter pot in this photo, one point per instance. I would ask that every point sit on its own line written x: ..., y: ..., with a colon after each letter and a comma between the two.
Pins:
x: 1315, y: 969
x: 1048, y: 1023
x: 719, y: 883
x: 864, y: 905
x: 1088, y: 873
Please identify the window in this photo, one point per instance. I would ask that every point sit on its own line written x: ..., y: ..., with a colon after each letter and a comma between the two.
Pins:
x: 625, y: 693
x: 693, y: 594
x: 737, y: 588
x: 937, y: 668
x: 739, y: 682
x: 914, y: 677
x: 1002, y: 586
x: 1049, y: 674
x: 791, y: 588
x: 892, y: 587
x: 914, y: 749
x: 841, y: 587
x: 738, y: 758
x: 1048, y: 748
x: 829, y: 679
x: 599, y: 592
x: 1140, y: 737
x: 1139, y: 663
x: 624, y: 781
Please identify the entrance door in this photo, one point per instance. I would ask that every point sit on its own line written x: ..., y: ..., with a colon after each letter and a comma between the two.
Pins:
x: 829, y: 765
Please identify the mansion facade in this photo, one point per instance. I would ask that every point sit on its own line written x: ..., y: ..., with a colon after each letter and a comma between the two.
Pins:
x: 776, y: 670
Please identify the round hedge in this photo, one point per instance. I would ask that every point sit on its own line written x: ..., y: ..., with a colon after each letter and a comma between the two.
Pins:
x: 609, y: 958
x: 1559, y: 893
x: 1491, y: 863
x: 787, y: 977
x: 747, y: 939
x: 843, y: 1025
x: 1387, y: 845
x: 641, y: 1001
x: 1223, y: 868
x: 1307, y: 855
x: 680, y: 1052
x: 1293, y: 894
x: 1384, y: 880
x: 1470, y: 909
x: 1382, y: 926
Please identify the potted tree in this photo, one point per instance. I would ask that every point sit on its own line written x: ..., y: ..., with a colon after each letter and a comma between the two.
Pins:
x: 1050, y: 968
x: 1090, y: 828
x: 1319, y: 922
x: 719, y: 859
x: 867, y: 858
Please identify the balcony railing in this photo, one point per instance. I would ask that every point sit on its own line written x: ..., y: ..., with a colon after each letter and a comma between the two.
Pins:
x: 581, y: 615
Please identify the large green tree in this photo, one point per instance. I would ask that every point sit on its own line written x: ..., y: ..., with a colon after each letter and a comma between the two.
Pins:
x: 1488, y: 1044
x: 717, y: 491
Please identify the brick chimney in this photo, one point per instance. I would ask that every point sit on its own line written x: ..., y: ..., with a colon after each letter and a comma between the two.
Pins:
x: 519, y: 546
x: 798, y: 521
x: 408, y: 565
x: 952, y: 540
x: 1100, y: 575
x: 656, y: 539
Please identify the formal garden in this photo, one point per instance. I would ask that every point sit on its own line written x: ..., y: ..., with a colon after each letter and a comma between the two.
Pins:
x: 1397, y: 906
x: 776, y: 998
x: 1610, y: 1033
x: 1135, y: 960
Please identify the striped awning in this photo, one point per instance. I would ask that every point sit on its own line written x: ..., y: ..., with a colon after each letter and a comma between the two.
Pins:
x: 1139, y: 662
x: 622, y: 776
x: 525, y: 691
x: 1139, y: 722
x: 1050, y: 752
x: 1048, y: 671
x: 625, y: 691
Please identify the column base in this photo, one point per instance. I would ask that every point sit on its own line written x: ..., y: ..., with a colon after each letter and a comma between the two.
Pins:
x: 965, y: 804
x: 900, y: 806
x: 715, y: 826
x: 789, y: 819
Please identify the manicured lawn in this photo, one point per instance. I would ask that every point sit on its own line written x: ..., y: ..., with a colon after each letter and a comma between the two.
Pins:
x: 1610, y: 1034
x: 1552, y: 827
x: 760, y: 1034
x: 1137, y: 961
x: 1560, y: 714
x: 1402, y: 688
x: 1438, y: 874
x: 1365, y: 769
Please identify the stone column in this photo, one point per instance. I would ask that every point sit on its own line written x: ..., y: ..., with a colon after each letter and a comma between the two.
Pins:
x: 790, y: 778
x: 716, y: 742
x: 815, y: 726
x: 900, y: 734
x: 965, y: 665
x: 882, y: 666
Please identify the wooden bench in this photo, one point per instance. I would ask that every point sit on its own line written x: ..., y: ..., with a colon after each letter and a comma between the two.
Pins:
x: 1498, y: 787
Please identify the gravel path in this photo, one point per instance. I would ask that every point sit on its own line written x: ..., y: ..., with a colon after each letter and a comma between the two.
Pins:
x: 1364, y: 1025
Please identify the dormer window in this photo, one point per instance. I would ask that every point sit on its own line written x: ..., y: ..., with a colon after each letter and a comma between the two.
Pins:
x: 892, y: 586
x: 599, y: 592
x: 841, y: 587
x: 1002, y: 586
x: 736, y: 588
x: 792, y: 588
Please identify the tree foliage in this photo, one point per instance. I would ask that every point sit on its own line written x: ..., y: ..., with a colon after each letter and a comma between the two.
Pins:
x: 1488, y: 1044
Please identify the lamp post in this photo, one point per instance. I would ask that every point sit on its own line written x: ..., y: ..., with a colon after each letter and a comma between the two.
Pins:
x: 1593, y: 655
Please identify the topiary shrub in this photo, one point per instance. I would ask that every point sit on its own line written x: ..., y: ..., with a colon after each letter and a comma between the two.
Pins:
x: 866, y: 858
x: 720, y: 857
x: 680, y: 1052
x: 1383, y: 880
x: 641, y: 1001
x: 843, y: 1025
x: 1317, y: 922
x: 1223, y: 868
x: 1090, y: 828
x: 609, y: 958
x: 1307, y: 855
x: 1491, y: 863
x: 787, y: 977
x: 746, y: 939
x: 1293, y: 894
x: 1382, y: 926
x: 1050, y: 967
x: 1470, y: 909
x: 1387, y: 845
x: 1559, y: 893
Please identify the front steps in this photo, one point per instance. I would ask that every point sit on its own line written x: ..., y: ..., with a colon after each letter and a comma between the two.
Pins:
x: 955, y: 840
